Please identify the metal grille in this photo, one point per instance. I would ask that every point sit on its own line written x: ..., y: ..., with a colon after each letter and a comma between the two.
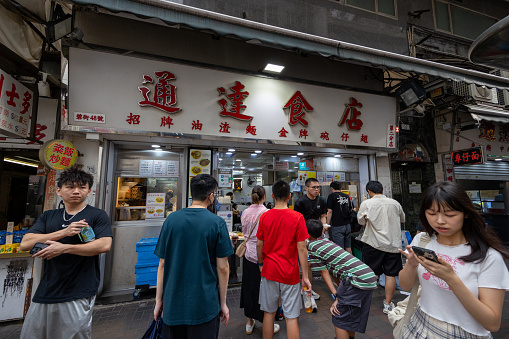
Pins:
x: 460, y: 89
x: 491, y: 170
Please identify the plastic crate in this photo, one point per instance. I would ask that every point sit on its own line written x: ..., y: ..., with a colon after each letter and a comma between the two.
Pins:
x: 145, y: 248
x: 146, y: 274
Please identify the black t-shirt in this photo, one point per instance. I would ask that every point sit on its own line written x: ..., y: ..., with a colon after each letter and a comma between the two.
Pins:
x: 311, y: 209
x: 341, y: 206
x: 70, y: 277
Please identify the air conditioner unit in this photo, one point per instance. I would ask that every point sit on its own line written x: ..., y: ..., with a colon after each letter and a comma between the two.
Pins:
x: 483, y: 93
x: 502, y: 94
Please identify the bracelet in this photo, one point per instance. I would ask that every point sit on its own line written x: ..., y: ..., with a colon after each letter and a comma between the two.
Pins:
x: 259, y: 263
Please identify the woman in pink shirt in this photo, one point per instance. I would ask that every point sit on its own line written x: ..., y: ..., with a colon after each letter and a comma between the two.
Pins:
x: 250, y: 272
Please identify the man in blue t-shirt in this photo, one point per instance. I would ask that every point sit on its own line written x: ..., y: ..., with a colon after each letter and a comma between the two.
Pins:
x: 192, y: 278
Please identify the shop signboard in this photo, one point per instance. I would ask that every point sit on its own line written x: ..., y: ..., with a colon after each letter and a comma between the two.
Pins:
x: 222, y: 104
x: 468, y: 156
x: 281, y: 165
x: 49, y: 196
x: 16, y: 103
x: 58, y: 154
x: 172, y: 168
x: 225, y: 179
x: 341, y: 176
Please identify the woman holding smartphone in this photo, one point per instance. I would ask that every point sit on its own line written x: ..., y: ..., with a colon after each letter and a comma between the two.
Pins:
x: 463, y: 294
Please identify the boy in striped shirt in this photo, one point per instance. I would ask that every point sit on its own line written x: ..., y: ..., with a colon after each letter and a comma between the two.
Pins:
x: 350, y: 310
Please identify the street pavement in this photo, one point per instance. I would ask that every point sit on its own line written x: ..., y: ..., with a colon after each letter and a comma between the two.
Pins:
x: 129, y: 319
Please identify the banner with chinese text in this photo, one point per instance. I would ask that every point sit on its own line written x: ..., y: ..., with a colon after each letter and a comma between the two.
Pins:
x: 16, y: 102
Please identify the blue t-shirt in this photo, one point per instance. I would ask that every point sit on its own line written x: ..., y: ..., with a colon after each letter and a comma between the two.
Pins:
x: 189, y: 243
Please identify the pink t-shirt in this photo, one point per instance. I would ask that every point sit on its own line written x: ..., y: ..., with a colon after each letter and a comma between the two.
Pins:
x: 248, y: 219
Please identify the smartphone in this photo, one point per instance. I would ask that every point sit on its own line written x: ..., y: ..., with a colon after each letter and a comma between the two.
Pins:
x: 37, y: 247
x: 426, y: 253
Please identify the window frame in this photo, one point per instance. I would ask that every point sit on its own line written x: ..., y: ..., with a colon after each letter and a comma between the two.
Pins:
x: 376, y: 9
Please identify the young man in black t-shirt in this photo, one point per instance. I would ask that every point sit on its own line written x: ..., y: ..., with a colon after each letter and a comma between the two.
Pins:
x: 63, y: 303
x: 339, y: 207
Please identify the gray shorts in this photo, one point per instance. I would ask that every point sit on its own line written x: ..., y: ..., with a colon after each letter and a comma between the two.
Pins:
x: 45, y: 321
x: 291, y: 298
x: 341, y: 235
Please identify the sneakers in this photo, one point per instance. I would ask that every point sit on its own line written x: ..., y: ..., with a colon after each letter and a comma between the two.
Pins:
x: 250, y: 328
x: 279, y: 314
x: 315, y: 295
x: 388, y: 307
x: 313, y: 304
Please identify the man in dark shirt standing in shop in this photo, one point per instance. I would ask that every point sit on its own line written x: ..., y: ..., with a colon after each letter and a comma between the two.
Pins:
x: 339, y: 207
x: 312, y: 206
x: 63, y: 303
x: 191, y: 284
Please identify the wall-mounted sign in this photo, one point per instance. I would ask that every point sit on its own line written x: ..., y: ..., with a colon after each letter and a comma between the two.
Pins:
x: 281, y: 165
x: 15, y: 107
x: 468, y: 156
x: 58, y: 154
x: 225, y: 177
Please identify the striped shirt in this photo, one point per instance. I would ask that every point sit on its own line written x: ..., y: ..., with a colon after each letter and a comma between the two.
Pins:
x: 324, y: 254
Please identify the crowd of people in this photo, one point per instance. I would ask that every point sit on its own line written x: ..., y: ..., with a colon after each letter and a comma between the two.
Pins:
x: 463, y: 277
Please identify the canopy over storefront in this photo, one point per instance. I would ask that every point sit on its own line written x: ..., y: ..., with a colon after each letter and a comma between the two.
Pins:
x: 253, y: 32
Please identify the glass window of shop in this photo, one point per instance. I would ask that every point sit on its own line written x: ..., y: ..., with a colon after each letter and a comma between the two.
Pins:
x: 250, y: 169
x: 147, y: 183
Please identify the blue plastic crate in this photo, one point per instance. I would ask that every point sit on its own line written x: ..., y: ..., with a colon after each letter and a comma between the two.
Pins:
x: 145, y: 248
x: 146, y: 274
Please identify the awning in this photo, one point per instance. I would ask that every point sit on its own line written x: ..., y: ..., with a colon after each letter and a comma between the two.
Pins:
x: 492, y: 47
x: 483, y: 112
x: 173, y: 13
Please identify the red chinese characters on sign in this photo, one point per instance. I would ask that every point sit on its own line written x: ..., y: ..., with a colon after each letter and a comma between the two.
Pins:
x: 224, y: 127
x: 303, y: 133
x: 364, y: 139
x: 12, y: 94
x: 196, y: 125
x: 283, y: 133
x: 488, y: 148
x: 251, y: 129
x: 351, y: 115
x: 26, y: 102
x: 166, y: 121
x: 39, y: 132
x: 133, y: 119
x: 391, y: 136
x: 469, y: 156
x: 164, y: 97
x: 90, y: 117
x: 49, y: 197
x: 344, y: 137
x: 324, y: 135
x: 15, y: 106
x: 298, y: 106
x: 236, y: 98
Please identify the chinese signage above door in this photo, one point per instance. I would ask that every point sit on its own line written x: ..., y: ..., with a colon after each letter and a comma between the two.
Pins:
x: 15, y: 107
x: 468, y: 156
x: 174, y: 98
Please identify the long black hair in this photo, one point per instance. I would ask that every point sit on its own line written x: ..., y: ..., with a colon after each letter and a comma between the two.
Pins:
x: 480, y: 237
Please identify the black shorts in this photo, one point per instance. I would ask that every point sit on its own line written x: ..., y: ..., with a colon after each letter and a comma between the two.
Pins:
x: 382, y: 262
x: 208, y: 330
x: 353, y: 306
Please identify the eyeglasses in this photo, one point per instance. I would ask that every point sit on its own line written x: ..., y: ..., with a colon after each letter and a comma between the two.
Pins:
x: 314, y: 187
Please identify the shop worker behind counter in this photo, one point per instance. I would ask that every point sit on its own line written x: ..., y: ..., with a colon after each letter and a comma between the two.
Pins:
x: 192, y: 278
x: 62, y: 305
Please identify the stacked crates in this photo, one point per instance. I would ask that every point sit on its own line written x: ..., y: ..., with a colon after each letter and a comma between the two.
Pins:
x: 148, y: 262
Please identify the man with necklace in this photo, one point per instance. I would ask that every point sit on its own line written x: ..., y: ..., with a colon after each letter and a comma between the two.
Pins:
x: 63, y: 303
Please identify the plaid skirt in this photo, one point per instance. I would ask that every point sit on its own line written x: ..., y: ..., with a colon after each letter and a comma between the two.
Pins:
x: 423, y: 326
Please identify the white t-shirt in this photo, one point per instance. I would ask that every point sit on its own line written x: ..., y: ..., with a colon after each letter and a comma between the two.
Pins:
x: 438, y: 300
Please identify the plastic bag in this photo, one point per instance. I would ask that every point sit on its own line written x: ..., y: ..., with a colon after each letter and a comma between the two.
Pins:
x: 155, y: 330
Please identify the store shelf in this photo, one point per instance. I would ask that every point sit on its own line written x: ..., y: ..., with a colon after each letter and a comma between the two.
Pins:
x: 132, y: 207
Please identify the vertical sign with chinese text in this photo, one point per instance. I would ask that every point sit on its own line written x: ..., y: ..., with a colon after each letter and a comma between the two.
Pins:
x: 15, y: 107
x: 49, y: 196
x: 391, y: 136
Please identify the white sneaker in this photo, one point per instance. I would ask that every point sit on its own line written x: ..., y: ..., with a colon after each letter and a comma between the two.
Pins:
x: 313, y: 304
x: 250, y: 328
x: 276, y: 328
x: 315, y: 295
x: 388, y: 307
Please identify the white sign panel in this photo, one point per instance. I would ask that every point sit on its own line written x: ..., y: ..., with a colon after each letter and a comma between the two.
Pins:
x: 146, y: 168
x: 228, y: 218
x: 225, y: 179
x: 155, y: 205
x: 16, y: 102
x: 199, y: 101
x: 172, y: 169
x: 160, y: 168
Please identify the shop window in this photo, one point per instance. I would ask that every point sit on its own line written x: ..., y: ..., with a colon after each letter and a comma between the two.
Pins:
x: 387, y: 7
x: 147, y: 184
x: 458, y: 20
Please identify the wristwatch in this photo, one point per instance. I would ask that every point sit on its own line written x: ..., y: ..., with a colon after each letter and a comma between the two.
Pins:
x: 259, y: 263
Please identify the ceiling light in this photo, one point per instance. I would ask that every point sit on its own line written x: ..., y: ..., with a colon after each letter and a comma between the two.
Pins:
x: 254, y: 154
x: 300, y: 153
x: 242, y: 167
x: 499, y: 159
x: 337, y: 156
x: 296, y: 167
x: 158, y: 150
x: 20, y: 162
x: 220, y: 159
x: 231, y: 150
x: 258, y: 151
x: 156, y: 146
x: 294, y: 156
x: 238, y: 160
x: 273, y: 68
x: 229, y: 153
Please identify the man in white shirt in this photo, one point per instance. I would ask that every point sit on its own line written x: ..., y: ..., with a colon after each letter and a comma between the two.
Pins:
x: 382, y: 218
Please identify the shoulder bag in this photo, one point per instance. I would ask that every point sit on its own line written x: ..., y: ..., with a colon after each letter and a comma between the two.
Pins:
x: 399, y: 316
x: 241, y: 249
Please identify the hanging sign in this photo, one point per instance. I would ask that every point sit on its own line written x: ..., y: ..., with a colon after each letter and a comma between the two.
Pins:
x: 15, y: 107
x: 468, y: 156
x: 58, y: 154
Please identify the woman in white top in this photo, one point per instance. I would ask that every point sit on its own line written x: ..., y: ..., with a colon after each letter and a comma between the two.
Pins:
x: 462, y: 296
